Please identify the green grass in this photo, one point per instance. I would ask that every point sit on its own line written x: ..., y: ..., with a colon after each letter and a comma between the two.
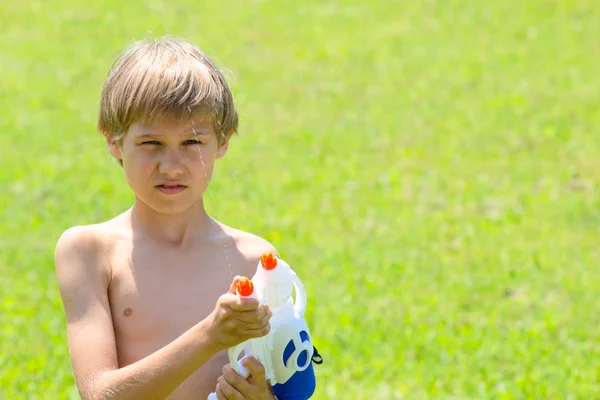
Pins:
x: 429, y: 168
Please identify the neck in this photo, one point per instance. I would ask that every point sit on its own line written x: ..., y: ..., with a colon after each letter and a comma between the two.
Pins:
x: 174, y: 229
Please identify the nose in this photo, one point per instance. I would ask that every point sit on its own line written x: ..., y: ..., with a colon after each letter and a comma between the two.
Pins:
x: 171, y: 164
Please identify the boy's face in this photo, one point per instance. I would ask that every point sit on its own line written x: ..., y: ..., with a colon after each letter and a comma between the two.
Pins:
x: 169, y: 165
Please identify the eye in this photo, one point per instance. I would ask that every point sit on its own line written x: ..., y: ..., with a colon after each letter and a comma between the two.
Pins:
x: 151, y: 142
x: 192, y: 142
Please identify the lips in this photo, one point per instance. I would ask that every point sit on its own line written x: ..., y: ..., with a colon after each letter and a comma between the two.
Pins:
x: 170, y: 188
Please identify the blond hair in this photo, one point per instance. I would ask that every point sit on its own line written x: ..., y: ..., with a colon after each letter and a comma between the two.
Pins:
x: 165, y: 77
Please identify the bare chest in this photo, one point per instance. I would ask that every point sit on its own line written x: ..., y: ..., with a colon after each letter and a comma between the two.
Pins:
x: 156, y: 296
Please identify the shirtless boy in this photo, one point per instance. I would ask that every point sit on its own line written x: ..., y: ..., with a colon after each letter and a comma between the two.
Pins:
x: 149, y: 296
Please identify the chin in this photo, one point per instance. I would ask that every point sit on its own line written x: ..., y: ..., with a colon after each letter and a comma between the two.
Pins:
x: 176, y: 206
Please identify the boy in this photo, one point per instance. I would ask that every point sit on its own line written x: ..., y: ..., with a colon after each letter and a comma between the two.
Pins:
x: 145, y: 294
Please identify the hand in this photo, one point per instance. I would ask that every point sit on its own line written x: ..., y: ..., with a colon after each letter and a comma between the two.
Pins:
x: 232, y: 386
x: 235, y: 319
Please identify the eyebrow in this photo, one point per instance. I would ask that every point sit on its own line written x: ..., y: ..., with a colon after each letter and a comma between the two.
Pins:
x: 191, y: 132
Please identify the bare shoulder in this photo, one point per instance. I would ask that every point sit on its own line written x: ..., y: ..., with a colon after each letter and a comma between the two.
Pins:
x: 86, y: 246
x: 251, y: 246
x: 82, y: 241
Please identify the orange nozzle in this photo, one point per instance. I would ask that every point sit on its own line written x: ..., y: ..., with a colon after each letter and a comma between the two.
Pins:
x: 245, y: 287
x: 268, y: 261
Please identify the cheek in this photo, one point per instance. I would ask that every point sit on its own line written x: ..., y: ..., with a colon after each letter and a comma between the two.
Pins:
x: 203, y: 156
x: 203, y: 165
x: 136, y: 164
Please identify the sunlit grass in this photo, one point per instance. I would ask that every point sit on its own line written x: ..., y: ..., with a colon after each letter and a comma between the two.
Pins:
x: 428, y: 169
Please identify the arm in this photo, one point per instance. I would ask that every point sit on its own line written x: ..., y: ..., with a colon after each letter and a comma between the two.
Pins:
x: 83, y: 279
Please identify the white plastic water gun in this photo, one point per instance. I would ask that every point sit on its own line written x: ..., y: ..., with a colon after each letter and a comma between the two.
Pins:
x: 286, y: 352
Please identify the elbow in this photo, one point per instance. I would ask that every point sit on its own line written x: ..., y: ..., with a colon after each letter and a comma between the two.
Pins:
x: 101, y: 393
x: 100, y: 388
x: 97, y: 393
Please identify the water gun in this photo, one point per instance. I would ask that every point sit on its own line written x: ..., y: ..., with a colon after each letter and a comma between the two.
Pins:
x: 286, y: 352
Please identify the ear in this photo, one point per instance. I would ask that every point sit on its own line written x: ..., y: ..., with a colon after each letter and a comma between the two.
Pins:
x: 114, y: 148
x: 224, y: 145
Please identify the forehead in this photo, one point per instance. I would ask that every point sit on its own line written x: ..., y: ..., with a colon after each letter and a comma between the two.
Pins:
x: 171, y: 126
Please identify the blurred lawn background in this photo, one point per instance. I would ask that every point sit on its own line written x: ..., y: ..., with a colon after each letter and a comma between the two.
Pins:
x: 429, y: 168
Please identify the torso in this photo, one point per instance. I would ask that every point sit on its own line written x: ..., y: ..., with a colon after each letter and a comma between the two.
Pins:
x: 157, y: 293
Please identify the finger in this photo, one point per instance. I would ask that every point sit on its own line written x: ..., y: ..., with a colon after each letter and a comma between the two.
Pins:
x: 237, y: 381
x: 256, y: 333
x: 263, y: 323
x: 257, y: 370
x: 219, y: 392
x: 235, y: 303
x: 228, y: 391
x: 256, y: 325
x: 243, y: 304
x: 268, y: 314
x: 261, y: 314
x: 233, y: 284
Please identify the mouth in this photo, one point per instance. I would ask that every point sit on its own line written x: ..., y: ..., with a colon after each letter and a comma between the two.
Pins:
x: 170, y: 188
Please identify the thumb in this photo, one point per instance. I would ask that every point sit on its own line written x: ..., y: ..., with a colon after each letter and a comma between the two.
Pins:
x: 232, y: 288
